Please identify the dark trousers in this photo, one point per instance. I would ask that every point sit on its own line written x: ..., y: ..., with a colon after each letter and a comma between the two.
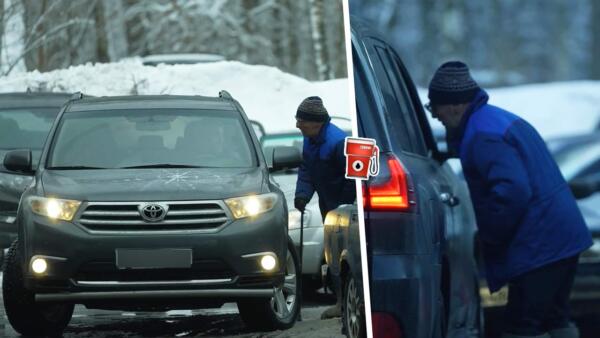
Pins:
x: 538, y: 301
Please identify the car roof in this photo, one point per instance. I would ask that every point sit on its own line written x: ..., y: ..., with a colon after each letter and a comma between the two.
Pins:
x: 150, y: 102
x: 181, y: 58
x: 33, y: 100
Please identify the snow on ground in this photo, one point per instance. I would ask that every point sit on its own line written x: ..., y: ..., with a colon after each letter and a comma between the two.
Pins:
x: 266, y: 93
x: 554, y: 109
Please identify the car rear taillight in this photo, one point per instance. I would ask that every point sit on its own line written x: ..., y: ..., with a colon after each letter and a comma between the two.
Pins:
x: 390, y: 191
x: 385, y: 326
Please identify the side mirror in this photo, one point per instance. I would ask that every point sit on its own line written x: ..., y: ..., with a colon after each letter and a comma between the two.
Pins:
x: 585, y: 186
x: 286, y: 158
x: 18, y: 160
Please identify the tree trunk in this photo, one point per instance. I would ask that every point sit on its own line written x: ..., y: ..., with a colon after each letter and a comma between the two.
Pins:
x: 116, y: 36
x: 595, y: 71
x: 2, y: 21
x: 318, y: 34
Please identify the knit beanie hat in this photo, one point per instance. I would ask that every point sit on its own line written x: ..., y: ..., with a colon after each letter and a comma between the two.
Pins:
x: 312, y: 109
x: 452, y: 84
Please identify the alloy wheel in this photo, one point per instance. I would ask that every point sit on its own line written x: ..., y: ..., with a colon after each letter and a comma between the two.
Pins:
x: 353, y: 315
x: 285, y: 295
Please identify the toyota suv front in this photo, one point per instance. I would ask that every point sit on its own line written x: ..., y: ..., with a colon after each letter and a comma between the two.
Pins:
x: 151, y: 203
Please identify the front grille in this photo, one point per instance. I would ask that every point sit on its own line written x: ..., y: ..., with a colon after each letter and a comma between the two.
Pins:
x: 126, y: 216
x: 107, y: 271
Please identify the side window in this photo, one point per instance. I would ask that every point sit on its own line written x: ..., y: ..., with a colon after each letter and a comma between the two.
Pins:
x: 406, y: 111
x: 365, y: 103
x: 411, y: 111
x: 421, y: 119
x: 393, y: 117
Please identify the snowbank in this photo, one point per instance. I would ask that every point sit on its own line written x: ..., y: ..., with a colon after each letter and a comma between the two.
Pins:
x: 554, y: 109
x: 266, y: 93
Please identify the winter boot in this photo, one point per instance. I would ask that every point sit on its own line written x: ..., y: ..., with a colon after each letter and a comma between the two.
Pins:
x: 510, y: 335
x: 566, y: 332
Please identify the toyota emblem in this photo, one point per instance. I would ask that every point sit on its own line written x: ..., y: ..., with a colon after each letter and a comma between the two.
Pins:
x: 153, y: 212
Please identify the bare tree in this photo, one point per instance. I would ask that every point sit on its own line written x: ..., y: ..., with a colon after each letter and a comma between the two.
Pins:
x: 2, y: 20
x: 316, y: 20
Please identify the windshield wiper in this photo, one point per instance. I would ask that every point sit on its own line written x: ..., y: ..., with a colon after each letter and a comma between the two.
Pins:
x: 74, y: 167
x: 163, y: 165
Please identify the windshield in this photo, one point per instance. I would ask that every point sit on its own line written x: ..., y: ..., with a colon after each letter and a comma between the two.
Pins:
x: 151, y: 138
x: 25, y: 128
x: 573, y: 160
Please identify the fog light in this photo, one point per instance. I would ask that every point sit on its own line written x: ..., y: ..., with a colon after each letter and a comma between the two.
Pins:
x: 39, y: 265
x: 268, y: 262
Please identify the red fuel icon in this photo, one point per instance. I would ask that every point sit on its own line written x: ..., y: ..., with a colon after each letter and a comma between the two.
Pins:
x: 362, y: 158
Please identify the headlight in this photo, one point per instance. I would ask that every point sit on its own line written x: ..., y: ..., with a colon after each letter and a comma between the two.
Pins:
x: 54, y: 208
x: 253, y: 205
x: 294, y: 218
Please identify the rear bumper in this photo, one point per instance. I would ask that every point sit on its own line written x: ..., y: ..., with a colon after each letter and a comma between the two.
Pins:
x: 404, y: 287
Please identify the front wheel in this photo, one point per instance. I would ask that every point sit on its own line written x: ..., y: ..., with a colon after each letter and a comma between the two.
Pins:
x: 281, y: 311
x: 25, y: 315
x: 353, y: 312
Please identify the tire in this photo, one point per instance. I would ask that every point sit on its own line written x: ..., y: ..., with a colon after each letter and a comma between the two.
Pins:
x: 280, y: 312
x: 25, y: 315
x: 353, y: 309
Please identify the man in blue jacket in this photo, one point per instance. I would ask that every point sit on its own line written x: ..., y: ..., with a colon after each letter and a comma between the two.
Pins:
x: 530, y: 227
x: 323, y: 168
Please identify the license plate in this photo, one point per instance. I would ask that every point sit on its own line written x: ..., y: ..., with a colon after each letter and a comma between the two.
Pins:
x: 153, y: 258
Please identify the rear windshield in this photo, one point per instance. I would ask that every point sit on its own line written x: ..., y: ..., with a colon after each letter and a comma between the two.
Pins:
x: 130, y: 138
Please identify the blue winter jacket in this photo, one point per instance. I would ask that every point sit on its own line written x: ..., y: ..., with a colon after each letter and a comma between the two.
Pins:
x: 526, y: 214
x: 323, y: 170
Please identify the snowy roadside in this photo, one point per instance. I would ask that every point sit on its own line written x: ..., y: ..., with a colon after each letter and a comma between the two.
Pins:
x: 266, y: 93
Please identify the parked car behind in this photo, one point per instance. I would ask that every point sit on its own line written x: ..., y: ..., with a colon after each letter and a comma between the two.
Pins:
x: 178, y: 59
x: 343, y: 257
x: 578, y: 158
x: 151, y: 203
x: 419, y: 221
x: 25, y: 119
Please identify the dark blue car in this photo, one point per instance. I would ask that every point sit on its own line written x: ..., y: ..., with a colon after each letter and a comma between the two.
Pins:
x: 419, y: 221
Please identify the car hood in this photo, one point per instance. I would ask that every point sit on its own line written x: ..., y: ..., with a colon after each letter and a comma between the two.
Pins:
x: 152, y: 184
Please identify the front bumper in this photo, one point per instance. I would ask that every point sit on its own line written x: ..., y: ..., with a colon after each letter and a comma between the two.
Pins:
x: 224, y: 264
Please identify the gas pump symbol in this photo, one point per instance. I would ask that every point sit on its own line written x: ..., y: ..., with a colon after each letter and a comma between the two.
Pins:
x: 362, y: 158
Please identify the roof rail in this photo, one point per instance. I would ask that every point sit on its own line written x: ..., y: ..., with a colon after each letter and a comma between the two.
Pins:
x: 76, y: 96
x: 225, y: 95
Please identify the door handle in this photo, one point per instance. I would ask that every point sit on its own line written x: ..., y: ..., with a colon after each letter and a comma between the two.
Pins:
x: 449, y: 199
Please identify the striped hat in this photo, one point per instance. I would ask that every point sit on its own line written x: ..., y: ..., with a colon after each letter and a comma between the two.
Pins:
x: 312, y: 109
x: 452, y: 84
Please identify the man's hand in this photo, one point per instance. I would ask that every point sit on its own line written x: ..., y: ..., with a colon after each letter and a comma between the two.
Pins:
x: 300, y: 203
